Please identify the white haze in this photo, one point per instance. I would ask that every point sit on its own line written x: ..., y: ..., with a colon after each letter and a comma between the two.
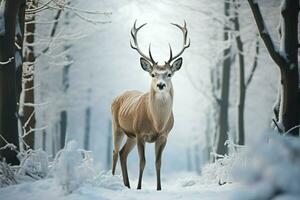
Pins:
x: 105, y: 64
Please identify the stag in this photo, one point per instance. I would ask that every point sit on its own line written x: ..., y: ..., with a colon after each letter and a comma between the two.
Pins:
x: 146, y: 117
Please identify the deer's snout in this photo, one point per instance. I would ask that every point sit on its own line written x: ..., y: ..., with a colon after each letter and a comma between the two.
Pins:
x: 161, y: 85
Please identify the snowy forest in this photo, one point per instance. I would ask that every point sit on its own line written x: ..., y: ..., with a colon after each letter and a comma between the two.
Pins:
x: 144, y: 99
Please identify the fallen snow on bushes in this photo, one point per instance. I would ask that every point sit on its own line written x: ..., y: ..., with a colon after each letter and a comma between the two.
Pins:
x: 72, y: 176
x: 268, y: 168
x: 272, y: 170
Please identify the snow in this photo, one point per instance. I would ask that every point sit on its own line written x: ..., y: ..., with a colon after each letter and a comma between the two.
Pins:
x: 73, y: 175
x: 49, y: 190
x: 70, y: 168
x: 34, y: 163
x: 268, y: 168
x: 272, y: 168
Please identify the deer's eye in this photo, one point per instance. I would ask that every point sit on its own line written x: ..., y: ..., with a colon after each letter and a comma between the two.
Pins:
x: 169, y: 75
x: 153, y: 75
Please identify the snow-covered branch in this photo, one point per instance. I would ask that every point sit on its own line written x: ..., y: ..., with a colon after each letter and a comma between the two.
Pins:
x: 8, y: 145
x: 8, y: 61
x: 81, y: 10
x: 34, y: 104
x: 39, y: 9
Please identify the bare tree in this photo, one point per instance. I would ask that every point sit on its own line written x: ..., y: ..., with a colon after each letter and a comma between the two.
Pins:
x: 8, y: 87
x: 65, y: 86
x: 87, y: 126
x: 225, y: 85
x: 243, y: 83
x: 17, y: 27
x: 27, y: 113
x: 287, y: 110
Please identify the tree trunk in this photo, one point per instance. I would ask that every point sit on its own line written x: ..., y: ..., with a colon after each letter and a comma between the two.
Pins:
x: 28, y: 81
x: 44, y: 137
x: 87, y: 129
x: 18, y: 54
x: 290, y: 102
x: 65, y: 87
x: 287, y: 60
x: 189, y: 159
x: 223, y: 120
x: 63, y: 128
x: 240, y: 130
x: 8, y: 92
x: 209, y: 129
x: 198, y: 158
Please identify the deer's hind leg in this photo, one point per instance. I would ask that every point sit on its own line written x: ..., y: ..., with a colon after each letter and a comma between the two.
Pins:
x: 126, y: 149
x: 118, y: 135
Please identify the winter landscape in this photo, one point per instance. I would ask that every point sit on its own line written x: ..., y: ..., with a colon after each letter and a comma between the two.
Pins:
x: 220, y: 120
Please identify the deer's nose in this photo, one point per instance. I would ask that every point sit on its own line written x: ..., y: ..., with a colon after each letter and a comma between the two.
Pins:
x: 161, y: 85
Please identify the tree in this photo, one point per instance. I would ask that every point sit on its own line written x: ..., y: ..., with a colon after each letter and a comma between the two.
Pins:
x: 217, y: 91
x: 26, y: 110
x: 225, y: 85
x: 65, y: 87
x: 243, y: 83
x: 87, y: 125
x: 17, y: 74
x: 8, y: 86
x: 287, y: 109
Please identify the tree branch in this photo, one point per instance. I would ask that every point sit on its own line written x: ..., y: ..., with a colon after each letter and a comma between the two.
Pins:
x: 39, y: 9
x: 254, y: 65
x: 53, y: 31
x: 264, y: 34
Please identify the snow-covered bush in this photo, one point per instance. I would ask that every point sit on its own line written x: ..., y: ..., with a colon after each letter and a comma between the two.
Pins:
x: 33, y: 163
x: 72, y: 166
x: 33, y: 166
x: 7, y: 175
x: 222, y: 169
x: 273, y: 171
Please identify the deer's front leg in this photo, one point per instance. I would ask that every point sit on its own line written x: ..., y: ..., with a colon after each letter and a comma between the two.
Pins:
x: 141, y: 151
x: 159, y: 147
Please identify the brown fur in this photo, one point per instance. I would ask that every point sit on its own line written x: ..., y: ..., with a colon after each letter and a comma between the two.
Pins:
x: 142, y: 117
x: 143, y: 114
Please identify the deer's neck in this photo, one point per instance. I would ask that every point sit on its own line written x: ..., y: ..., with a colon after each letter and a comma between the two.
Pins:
x: 160, y: 108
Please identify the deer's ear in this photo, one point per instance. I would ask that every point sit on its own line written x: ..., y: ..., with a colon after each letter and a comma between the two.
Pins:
x: 176, y: 65
x: 145, y: 65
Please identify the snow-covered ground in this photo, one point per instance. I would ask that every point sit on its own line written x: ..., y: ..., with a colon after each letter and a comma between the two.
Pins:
x: 175, y: 187
x: 73, y: 175
x: 268, y: 168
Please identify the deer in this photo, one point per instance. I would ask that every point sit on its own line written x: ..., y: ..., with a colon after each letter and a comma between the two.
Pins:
x: 146, y: 117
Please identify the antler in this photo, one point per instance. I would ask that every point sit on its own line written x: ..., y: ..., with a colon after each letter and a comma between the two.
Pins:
x: 134, y: 31
x: 185, y: 44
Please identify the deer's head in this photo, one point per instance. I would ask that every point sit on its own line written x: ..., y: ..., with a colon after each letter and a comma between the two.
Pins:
x: 161, y: 74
